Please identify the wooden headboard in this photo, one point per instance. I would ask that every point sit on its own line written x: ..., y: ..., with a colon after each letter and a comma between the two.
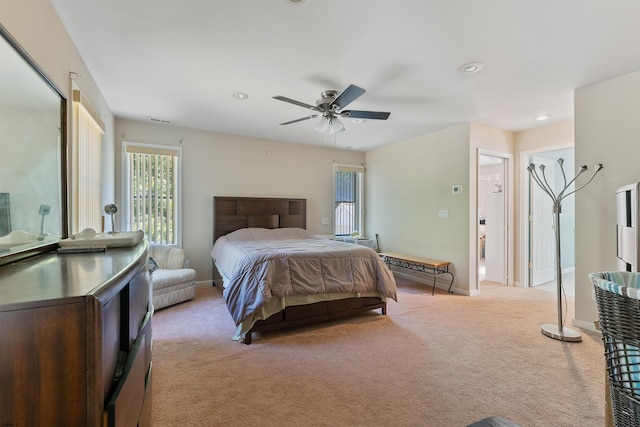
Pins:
x: 234, y: 213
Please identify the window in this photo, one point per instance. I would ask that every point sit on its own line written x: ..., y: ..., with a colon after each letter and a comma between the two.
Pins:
x: 86, y: 185
x: 153, y: 175
x: 348, y: 184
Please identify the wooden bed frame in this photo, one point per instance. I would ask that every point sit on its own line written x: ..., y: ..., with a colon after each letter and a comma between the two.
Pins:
x: 234, y: 213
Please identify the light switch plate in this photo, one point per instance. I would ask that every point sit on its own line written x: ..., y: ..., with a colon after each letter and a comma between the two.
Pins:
x: 443, y: 214
x: 326, y: 221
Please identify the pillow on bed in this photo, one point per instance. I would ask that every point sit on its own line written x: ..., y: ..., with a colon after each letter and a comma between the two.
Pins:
x: 293, y: 233
x: 254, y: 234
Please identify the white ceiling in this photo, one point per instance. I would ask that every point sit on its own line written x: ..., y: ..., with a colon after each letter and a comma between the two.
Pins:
x: 181, y: 61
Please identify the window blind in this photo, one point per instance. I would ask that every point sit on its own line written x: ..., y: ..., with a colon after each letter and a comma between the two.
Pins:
x: 86, y: 211
x: 347, y: 199
x: 153, y: 182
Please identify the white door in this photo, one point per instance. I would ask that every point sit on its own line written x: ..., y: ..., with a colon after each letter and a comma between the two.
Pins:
x: 493, y: 259
x: 495, y: 238
x: 542, y: 233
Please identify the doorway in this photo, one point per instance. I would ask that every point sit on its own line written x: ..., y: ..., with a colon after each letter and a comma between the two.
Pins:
x: 492, y: 219
x: 541, y: 231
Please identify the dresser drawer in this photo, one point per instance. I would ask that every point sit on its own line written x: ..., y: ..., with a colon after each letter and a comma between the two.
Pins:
x: 124, y: 408
x: 137, y: 304
x: 145, y: 330
x: 145, y: 415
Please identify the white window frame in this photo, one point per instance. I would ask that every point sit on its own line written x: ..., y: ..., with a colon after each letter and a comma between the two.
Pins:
x: 359, y: 197
x: 126, y: 185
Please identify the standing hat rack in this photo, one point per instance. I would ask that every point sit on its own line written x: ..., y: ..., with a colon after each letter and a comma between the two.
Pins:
x: 559, y: 332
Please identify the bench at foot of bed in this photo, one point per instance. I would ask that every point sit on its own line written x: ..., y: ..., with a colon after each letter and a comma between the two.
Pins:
x: 301, y: 315
x: 425, y: 265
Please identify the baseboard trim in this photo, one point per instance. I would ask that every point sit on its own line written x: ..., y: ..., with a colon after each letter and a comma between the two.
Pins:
x: 204, y: 283
x: 428, y: 281
x: 582, y: 324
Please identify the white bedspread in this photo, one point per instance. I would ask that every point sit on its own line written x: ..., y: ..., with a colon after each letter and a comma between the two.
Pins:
x: 261, y: 264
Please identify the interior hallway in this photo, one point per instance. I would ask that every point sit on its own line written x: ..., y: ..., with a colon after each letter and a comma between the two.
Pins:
x: 568, y: 281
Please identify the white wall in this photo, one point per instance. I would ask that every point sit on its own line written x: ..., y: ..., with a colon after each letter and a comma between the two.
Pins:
x: 408, y: 183
x: 216, y: 164
x: 607, y: 131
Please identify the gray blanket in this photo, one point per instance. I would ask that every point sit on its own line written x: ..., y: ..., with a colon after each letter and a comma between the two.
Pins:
x: 260, y: 264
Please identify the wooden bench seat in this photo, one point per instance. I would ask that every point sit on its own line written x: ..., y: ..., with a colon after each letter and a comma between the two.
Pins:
x: 426, y: 265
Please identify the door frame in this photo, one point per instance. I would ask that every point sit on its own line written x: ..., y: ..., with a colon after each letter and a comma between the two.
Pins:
x: 509, y: 197
x: 523, y: 231
x: 541, y: 226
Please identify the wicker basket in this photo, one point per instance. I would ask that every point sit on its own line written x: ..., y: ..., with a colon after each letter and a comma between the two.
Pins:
x: 618, y: 302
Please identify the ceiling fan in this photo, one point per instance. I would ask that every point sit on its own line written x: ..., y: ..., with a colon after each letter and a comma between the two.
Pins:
x: 331, y: 105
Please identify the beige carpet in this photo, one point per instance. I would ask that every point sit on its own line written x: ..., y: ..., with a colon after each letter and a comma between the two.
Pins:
x: 443, y: 360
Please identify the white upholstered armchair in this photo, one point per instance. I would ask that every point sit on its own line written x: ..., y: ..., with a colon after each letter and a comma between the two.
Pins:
x: 171, y: 283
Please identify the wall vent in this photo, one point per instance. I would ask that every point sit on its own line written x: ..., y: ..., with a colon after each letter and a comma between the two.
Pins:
x: 153, y: 119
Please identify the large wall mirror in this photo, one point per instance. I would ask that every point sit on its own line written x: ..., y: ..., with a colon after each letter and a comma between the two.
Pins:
x: 33, y: 213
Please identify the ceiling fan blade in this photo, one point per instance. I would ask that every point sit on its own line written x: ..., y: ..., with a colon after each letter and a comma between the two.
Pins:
x: 294, y: 102
x: 347, y: 96
x: 373, y: 115
x: 299, y: 120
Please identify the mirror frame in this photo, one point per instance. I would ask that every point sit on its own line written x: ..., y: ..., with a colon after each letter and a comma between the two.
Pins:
x: 35, y: 249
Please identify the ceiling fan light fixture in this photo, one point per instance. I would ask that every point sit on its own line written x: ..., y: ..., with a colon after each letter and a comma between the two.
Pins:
x: 331, y: 105
x: 335, y: 125
x: 330, y: 125
x: 322, y: 126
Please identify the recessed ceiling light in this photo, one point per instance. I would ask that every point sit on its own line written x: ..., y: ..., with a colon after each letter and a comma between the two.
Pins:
x: 240, y: 95
x: 542, y: 117
x: 471, y: 67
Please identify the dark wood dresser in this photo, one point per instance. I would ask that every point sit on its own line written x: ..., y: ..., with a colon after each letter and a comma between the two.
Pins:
x: 75, y: 340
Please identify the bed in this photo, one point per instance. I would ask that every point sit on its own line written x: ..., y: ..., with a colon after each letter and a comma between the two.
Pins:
x: 275, y: 274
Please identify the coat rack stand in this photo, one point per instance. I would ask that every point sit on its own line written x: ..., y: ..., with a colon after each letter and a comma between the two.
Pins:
x: 559, y: 332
